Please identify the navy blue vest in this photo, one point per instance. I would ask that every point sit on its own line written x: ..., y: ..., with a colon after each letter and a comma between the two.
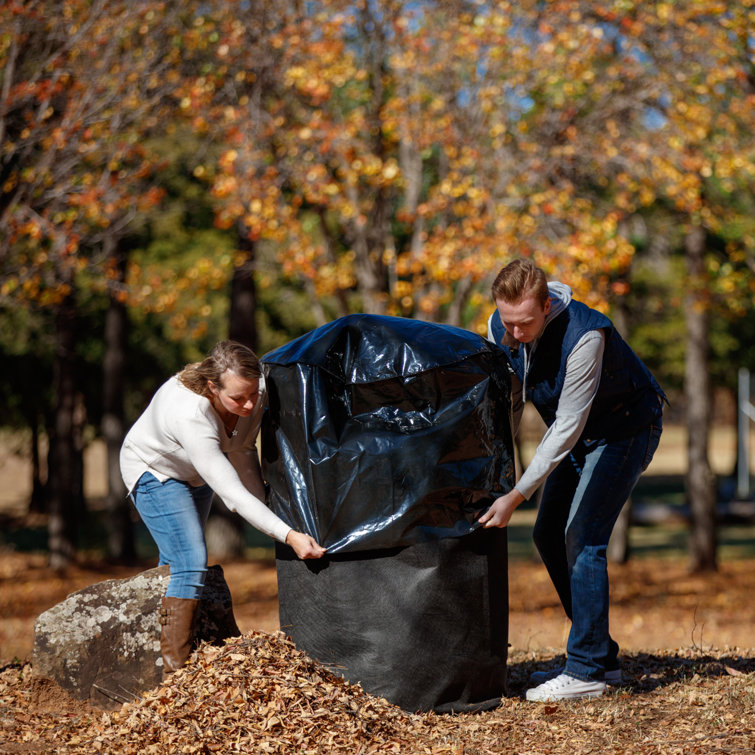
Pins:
x: 628, y: 398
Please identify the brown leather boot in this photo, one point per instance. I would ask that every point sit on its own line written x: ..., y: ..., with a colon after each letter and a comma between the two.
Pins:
x: 177, y: 617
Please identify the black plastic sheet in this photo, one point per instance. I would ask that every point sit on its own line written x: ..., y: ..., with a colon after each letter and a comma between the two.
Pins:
x: 385, y: 431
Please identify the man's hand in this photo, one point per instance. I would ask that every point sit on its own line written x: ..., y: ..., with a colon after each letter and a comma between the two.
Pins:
x: 305, y: 546
x: 501, y: 509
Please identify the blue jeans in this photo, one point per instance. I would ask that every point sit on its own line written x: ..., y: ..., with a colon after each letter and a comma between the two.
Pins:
x: 581, y: 502
x: 175, y: 514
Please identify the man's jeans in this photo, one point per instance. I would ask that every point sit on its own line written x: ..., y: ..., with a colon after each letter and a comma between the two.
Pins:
x: 581, y: 502
x: 175, y: 514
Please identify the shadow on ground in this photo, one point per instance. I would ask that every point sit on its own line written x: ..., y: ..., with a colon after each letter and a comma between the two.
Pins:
x: 644, y: 672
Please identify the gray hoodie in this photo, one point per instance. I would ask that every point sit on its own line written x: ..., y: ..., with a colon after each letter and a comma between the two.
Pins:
x: 583, y: 368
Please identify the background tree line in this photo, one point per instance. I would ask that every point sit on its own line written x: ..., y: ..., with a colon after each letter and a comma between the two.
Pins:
x: 172, y: 173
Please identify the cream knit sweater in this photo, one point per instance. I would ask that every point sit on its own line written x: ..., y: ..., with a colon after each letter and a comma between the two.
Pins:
x: 180, y: 436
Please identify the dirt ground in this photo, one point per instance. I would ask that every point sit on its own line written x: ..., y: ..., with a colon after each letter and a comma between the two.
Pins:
x: 688, y: 658
x: 656, y: 604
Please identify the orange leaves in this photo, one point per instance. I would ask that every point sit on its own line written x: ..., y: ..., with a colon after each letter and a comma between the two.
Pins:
x: 87, y: 93
x: 318, y: 62
x: 257, y: 694
x: 396, y: 151
x: 184, y: 293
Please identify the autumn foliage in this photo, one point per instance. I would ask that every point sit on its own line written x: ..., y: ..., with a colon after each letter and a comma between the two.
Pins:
x: 394, y: 151
x: 404, y: 150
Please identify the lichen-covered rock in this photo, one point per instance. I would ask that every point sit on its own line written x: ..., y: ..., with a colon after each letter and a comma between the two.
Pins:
x: 102, y: 643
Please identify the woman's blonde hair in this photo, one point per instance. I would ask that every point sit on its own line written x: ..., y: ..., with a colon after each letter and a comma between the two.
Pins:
x: 518, y: 280
x: 226, y: 355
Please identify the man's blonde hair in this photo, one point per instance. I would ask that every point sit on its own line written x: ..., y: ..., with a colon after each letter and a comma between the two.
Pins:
x: 518, y: 280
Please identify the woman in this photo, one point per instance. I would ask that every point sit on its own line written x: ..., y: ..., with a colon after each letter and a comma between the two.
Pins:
x: 196, y: 437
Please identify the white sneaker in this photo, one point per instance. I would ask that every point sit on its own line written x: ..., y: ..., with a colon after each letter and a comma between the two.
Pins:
x: 565, y: 687
x: 613, y: 677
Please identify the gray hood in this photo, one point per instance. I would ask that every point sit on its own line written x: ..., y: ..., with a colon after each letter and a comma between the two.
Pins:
x: 560, y: 299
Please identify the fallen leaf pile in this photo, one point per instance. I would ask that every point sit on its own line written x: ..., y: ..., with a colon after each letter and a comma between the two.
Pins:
x: 259, y: 694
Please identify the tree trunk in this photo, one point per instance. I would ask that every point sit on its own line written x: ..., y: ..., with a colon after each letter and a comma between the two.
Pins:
x: 462, y: 292
x: 120, y: 532
x: 700, y: 482
x: 618, y: 546
x: 242, y: 326
x: 225, y: 529
x: 371, y: 235
x: 64, y: 459
x: 39, y: 489
x: 330, y: 255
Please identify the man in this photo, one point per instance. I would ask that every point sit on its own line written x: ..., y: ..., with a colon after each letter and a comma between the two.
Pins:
x: 603, y: 410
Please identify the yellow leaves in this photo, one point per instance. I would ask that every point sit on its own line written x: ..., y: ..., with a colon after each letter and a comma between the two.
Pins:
x: 367, y: 165
x: 224, y: 186
x: 403, y: 289
x: 390, y: 170
x: 228, y: 159
x: 464, y: 182
x: 302, y: 80
x: 428, y: 305
x: 646, y: 195
x: 457, y: 185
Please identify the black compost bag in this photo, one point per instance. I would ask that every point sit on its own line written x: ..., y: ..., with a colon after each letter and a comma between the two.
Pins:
x: 386, y: 431
x: 385, y: 438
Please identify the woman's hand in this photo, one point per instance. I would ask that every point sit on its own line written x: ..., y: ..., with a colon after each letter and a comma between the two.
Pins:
x: 501, y: 509
x: 305, y: 546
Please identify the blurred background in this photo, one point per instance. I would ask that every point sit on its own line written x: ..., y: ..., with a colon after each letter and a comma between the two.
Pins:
x: 175, y: 173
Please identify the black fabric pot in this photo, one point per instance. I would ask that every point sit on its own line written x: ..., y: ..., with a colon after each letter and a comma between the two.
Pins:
x: 425, y: 626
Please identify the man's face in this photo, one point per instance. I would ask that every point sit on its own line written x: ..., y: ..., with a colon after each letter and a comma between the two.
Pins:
x: 523, y: 319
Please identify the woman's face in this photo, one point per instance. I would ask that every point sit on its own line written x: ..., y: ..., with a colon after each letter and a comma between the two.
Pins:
x: 237, y: 395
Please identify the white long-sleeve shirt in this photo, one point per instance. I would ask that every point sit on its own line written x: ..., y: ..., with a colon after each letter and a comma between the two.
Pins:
x: 583, y: 369
x: 180, y: 436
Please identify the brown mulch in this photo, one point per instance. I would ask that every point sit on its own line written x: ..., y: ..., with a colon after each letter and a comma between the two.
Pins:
x: 259, y: 694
